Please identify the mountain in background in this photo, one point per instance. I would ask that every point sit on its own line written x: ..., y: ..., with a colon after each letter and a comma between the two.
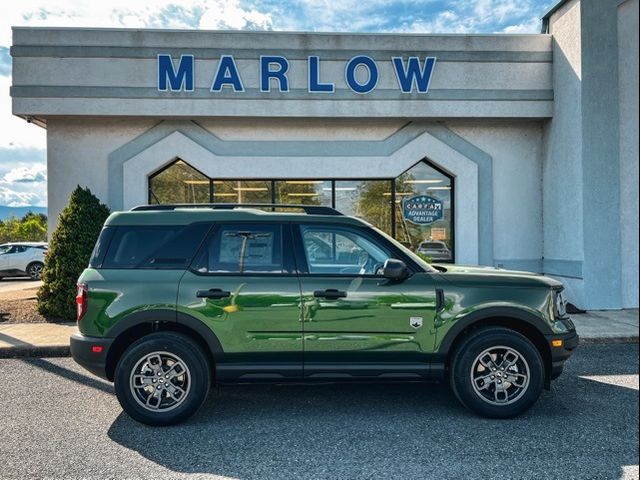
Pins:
x: 19, y: 212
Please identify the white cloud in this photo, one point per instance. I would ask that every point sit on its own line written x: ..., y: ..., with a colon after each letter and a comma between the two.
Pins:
x: 13, y: 198
x: 531, y: 26
x: 230, y: 15
x: 22, y: 186
x: 34, y: 174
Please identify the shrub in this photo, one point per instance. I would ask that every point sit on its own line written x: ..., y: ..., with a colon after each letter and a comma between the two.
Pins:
x: 71, y: 245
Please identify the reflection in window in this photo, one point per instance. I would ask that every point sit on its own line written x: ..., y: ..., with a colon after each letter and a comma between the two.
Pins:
x: 179, y: 183
x: 366, y: 199
x: 428, y: 226
x: 303, y: 192
x: 341, y: 251
x: 242, y: 191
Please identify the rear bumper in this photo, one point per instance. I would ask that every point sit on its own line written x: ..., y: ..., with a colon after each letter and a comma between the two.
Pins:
x: 84, y: 351
x: 561, y: 354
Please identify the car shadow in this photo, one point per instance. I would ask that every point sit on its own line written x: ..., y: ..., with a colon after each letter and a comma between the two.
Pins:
x: 397, y: 431
x: 69, y: 374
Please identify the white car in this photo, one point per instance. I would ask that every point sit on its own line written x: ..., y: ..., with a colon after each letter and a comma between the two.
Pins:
x: 20, y: 259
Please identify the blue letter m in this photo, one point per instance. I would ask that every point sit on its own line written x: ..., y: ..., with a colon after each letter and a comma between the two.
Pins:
x: 413, y: 72
x: 179, y: 80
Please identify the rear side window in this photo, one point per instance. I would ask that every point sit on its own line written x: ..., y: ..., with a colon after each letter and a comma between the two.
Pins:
x: 161, y: 247
x: 100, y: 248
x: 242, y: 248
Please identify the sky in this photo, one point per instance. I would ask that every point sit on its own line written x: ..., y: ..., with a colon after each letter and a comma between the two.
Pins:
x: 23, y: 173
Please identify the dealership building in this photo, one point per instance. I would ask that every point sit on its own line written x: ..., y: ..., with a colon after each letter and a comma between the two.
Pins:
x: 514, y: 151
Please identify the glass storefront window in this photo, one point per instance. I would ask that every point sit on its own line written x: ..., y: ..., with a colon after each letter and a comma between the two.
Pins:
x: 242, y: 191
x: 423, y: 211
x: 303, y: 192
x: 366, y: 199
x: 416, y: 207
x: 179, y: 183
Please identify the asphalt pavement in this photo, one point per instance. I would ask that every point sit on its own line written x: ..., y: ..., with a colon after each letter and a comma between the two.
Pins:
x: 57, y: 421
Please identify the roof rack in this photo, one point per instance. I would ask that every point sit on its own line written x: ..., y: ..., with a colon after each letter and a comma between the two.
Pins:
x: 308, y: 209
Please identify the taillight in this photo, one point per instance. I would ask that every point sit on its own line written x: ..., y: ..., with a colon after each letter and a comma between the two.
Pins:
x: 81, y: 301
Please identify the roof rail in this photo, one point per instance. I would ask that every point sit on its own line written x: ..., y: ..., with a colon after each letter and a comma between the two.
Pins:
x: 308, y: 209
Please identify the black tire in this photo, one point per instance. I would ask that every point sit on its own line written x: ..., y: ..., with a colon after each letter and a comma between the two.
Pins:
x: 34, y: 270
x: 170, y: 345
x: 465, y: 364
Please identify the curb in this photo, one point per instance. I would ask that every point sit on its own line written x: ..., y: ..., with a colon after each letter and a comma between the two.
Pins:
x: 35, y: 351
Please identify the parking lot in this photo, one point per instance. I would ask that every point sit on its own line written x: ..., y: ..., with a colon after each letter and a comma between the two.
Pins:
x: 59, y: 422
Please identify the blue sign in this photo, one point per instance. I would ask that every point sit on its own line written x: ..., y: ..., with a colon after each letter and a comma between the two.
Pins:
x: 422, y: 209
x: 179, y: 75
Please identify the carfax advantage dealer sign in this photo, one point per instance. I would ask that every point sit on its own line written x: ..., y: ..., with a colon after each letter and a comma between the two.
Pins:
x: 361, y: 74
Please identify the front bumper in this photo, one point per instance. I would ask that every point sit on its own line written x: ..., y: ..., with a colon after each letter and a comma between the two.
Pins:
x: 91, y: 353
x: 561, y: 354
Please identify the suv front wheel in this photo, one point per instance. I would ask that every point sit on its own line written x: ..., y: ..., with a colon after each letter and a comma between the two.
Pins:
x: 162, y: 379
x: 497, y: 373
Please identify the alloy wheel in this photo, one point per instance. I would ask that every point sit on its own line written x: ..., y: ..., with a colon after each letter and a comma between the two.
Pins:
x: 35, y: 271
x: 500, y: 375
x: 160, y: 381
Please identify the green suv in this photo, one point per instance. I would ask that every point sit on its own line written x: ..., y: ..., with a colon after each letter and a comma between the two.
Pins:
x: 177, y: 297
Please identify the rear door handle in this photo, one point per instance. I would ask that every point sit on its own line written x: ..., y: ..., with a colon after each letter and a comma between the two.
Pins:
x: 213, y: 293
x: 330, y: 294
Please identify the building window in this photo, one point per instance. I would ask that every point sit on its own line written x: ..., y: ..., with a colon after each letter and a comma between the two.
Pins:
x: 179, y: 183
x: 416, y: 207
x: 423, y: 211
x: 242, y: 191
x: 369, y: 200
x: 304, y: 192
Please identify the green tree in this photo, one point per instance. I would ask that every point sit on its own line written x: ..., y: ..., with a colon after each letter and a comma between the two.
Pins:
x: 71, y: 245
x: 30, y: 228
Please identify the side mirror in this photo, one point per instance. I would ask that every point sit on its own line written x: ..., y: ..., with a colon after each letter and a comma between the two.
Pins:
x: 394, y: 269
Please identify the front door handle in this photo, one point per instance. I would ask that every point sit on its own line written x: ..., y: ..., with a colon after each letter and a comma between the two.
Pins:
x: 215, y: 293
x: 330, y: 294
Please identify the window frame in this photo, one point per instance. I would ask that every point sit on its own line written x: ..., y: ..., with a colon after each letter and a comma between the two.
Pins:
x: 288, y: 260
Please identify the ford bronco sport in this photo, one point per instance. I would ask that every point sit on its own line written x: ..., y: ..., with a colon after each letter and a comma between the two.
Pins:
x: 177, y: 297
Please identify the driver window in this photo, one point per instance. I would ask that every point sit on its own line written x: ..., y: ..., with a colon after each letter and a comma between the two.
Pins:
x: 341, y: 251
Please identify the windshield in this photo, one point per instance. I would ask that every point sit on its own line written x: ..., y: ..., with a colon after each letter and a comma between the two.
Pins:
x: 4, y: 248
x: 434, y: 245
x: 407, y: 252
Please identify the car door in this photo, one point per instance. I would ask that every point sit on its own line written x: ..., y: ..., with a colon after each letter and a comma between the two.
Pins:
x: 357, y: 322
x: 14, y: 258
x: 243, y: 286
x: 4, y: 258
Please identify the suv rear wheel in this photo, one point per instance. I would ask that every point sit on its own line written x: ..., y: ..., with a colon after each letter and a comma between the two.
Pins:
x: 162, y: 379
x: 497, y: 373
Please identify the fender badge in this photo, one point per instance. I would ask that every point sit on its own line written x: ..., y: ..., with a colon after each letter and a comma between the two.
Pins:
x: 415, y: 322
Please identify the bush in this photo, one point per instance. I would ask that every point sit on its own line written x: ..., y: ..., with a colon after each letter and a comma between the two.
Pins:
x: 71, y: 245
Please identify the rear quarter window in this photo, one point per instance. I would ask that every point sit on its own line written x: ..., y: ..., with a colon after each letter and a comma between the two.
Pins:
x: 152, y: 247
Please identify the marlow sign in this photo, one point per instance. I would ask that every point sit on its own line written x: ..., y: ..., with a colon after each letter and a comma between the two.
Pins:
x: 179, y: 77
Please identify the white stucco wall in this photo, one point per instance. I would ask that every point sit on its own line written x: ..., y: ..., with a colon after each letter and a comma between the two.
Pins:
x: 562, y: 154
x: 77, y: 151
x: 628, y: 112
x: 515, y: 148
